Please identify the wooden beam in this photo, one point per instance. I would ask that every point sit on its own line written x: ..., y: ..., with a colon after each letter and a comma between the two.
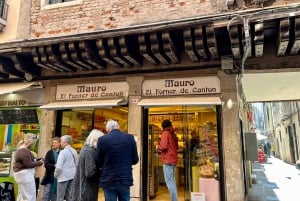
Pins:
x: 235, y: 41
x: 199, y: 42
x: 169, y: 47
x: 211, y: 42
x: 113, y: 45
x: 259, y: 39
x: 283, y: 36
x: 296, y: 43
x: 66, y: 57
x: 104, y: 52
x: 129, y: 51
x: 7, y: 67
x: 87, y: 53
x: 145, y: 49
x: 156, y: 48
x: 189, y: 44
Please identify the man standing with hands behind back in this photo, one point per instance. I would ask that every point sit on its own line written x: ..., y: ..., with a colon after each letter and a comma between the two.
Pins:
x: 116, y: 153
x: 168, y: 147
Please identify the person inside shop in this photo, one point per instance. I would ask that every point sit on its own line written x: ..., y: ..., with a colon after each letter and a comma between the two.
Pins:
x: 116, y: 153
x: 65, y: 169
x: 195, y: 141
x: 86, y: 181
x: 49, y: 182
x: 24, y: 168
x: 168, y: 146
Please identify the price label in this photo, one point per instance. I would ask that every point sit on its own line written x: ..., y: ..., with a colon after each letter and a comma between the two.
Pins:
x: 197, y: 196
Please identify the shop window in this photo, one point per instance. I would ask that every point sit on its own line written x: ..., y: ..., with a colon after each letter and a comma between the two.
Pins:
x: 15, y: 123
x: 78, y: 123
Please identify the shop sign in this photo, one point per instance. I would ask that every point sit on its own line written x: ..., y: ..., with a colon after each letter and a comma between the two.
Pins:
x: 182, y: 86
x: 13, y: 103
x: 92, y: 91
x: 13, y: 100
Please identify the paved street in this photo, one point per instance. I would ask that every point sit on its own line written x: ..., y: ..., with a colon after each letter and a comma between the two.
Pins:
x: 276, y: 181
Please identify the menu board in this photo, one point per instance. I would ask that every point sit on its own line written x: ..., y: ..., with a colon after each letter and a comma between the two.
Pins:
x: 28, y: 116
x: 7, y: 191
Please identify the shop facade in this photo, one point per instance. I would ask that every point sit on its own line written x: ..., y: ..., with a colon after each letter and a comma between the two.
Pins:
x: 19, y: 116
x: 205, y: 105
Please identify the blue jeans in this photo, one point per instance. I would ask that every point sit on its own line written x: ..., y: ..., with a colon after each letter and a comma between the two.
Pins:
x: 169, y: 173
x: 117, y: 192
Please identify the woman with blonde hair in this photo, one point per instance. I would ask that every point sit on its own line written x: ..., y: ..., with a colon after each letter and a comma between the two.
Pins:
x: 24, y: 168
x: 86, y: 181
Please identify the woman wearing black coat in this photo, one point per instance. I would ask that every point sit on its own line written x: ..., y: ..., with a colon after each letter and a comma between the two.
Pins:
x: 49, y: 182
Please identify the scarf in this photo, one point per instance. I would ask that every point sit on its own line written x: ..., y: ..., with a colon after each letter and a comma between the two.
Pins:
x: 54, y: 184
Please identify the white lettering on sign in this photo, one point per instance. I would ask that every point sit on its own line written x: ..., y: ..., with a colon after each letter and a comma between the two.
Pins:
x: 182, y: 86
x: 92, y: 91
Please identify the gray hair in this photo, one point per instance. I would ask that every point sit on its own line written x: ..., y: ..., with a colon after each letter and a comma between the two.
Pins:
x: 111, y: 125
x: 66, y: 138
x: 92, y: 139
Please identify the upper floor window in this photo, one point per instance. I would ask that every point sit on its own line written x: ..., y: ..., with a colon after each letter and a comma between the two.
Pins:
x: 58, y: 1
x: 3, y: 9
x: 51, y: 4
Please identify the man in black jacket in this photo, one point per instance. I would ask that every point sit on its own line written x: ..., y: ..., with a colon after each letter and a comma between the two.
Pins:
x: 49, y: 182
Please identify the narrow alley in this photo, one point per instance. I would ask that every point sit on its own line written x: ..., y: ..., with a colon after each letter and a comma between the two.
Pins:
x: 275, y: 181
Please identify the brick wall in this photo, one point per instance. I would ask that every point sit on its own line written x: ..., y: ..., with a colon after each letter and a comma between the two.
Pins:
x: 81, y: 16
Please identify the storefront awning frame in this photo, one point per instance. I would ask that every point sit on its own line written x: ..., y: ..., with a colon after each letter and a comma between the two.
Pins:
x: 84, y: 104
x: 7, y: 88
x: 211, y: 100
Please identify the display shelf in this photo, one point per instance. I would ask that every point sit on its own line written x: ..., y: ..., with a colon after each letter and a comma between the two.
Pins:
x: 5, y: 164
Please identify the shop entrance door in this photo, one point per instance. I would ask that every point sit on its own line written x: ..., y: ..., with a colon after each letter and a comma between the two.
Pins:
x: 198, y: 153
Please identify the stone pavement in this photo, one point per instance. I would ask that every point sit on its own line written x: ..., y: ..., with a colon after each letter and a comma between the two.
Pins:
x: 275, y: 181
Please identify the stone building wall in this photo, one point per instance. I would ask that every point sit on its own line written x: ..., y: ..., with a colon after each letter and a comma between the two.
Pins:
x: 81, y: 16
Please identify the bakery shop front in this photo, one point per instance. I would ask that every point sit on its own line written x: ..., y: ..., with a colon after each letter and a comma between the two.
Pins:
x: 193, y: 106
x: 196, y: 107
x: 82, y: 107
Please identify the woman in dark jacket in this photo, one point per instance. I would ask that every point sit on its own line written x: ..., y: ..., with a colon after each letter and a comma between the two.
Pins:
x: 49, y: 182
x: 86, y: 181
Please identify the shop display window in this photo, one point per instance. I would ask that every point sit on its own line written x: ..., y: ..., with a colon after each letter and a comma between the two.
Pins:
x: 5, y: 164
x: 15, y: 123
x: 79, y: 122
x: 197, y: 169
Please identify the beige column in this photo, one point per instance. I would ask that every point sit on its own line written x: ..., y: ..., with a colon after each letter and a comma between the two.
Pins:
x: 234, y: 185
x: 135, y: 128
x: 47, y: 128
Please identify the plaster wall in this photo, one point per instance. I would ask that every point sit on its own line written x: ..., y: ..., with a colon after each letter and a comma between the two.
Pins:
x: 9, y: 32
x: 17, y: 23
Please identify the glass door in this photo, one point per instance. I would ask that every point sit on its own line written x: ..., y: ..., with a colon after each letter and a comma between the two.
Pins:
x: 198, y: 155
